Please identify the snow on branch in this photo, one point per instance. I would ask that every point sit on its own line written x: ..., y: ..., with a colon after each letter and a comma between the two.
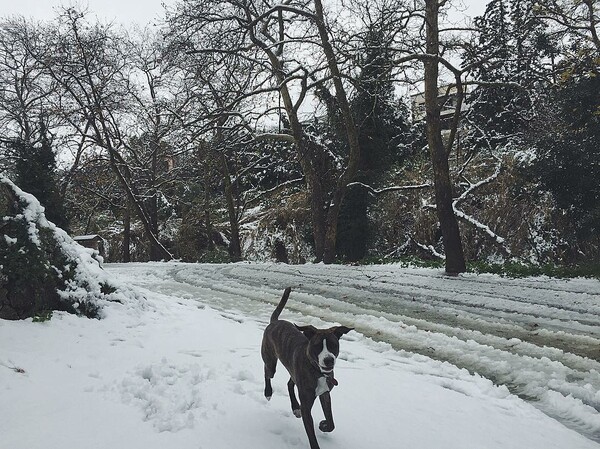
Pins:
x: 430, y: 249
x: 374, y: 191
x: 274, y: 136
x: 482, y: 227
x: 472, y: 187
x: 498, y: 240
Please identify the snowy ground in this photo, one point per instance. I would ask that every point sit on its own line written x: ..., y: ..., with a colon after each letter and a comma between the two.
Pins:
x: 182, y: 368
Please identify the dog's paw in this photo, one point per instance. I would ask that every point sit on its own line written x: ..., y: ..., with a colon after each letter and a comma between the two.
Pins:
x: 326, y: 426
x: 268, y: 392
x: 297, y: 413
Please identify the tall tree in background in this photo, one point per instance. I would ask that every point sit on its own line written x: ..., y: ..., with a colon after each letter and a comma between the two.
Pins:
x: 512, y: 45
x: 219, y: 122
x: 353, y: 159
x: 455, y: 259
x: 25, y: 85
x: 263, y: 33
x: 89, y: 64
x: 158, y: 101
x: 382, y: 122
x: 568, y: 153
x: 226, y: 82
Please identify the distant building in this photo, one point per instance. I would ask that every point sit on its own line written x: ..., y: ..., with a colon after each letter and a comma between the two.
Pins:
x: 93, y: 241
x: 447, y: 97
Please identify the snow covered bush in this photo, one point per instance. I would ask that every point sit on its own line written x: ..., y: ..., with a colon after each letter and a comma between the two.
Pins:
x: 279, y: 231
x: 531, y: 228
x: 42, y: 268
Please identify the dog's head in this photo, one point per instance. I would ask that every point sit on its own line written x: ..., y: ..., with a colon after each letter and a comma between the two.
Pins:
x: 324, y: 345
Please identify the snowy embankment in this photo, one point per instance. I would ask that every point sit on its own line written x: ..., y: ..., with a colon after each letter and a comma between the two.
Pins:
x: 42, y: 268
x: 183, y: 369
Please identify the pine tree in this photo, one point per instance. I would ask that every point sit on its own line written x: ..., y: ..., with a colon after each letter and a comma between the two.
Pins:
x: 568, y: 153
x: 382, y: 127
x: 36, y: 173
x: 514, y: 43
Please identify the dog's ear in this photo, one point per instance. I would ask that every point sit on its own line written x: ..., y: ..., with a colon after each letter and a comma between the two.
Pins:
x: 308, y: 331
x: 341, y: 330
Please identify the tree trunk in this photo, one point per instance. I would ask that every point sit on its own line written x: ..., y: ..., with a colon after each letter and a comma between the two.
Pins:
x: 455, y: 260
x: 155, y: 252
x: 127, y: 232
x: 89, y: 92
x: 306, y: 155
x: 235, y: 247
x: 136, y: 203
x: 317, y: 211
x: 341, y: 186
x: 330, y: 250
x: 210, y: 244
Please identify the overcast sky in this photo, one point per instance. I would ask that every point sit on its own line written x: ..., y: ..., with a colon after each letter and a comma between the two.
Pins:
x: 126, y: 12
x: 141, y: 12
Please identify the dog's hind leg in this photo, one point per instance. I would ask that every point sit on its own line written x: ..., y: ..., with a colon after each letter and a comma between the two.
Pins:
x: 295, y: 404
x: 269, y: 373
x: 270, y: 367
x: 327, y: 424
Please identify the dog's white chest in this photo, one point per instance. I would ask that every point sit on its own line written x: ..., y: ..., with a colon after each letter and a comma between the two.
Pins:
x: 322, y: 386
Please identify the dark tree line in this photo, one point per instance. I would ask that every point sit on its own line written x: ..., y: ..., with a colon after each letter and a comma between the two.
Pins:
x: 238, y: 117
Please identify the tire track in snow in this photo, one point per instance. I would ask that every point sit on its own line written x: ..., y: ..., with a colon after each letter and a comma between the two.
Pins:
x: 540, y: 339
x: 538, y: 323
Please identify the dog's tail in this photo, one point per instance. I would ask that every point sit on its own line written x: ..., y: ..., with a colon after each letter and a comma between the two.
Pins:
x: 284, y: 298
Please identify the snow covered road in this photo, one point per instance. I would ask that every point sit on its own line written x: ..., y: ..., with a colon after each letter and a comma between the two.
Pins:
x: 540, y: 337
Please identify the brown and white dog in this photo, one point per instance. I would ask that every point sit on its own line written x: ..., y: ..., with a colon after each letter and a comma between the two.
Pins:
x: 309, y: 354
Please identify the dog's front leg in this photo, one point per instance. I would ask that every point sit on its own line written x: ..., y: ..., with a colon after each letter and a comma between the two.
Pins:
x: 306, y: 403
x: 294, y: 401
x: 327, y: 424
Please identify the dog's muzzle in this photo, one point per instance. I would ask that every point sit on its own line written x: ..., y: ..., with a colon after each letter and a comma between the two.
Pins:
x: 327, y: 364
x: 326, y: 359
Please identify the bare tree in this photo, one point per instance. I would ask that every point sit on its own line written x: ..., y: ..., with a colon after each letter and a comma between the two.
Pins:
x: 158, y: 99
x: 88, y: 63
x: 218, y: 117
x: 298, y: 58
x: 580, y: 19
x: 25, y: 87
x: 421, y: 42
x: 227, y: 82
